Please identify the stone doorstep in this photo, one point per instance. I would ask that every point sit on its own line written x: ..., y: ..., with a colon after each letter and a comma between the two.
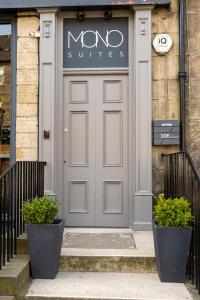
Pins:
x: 106, y: 286
x: 14, y: 276
x: 126, y: 264
x: 141, y: 259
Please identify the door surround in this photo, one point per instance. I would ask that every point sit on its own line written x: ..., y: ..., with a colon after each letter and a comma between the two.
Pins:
x: 51, y: 89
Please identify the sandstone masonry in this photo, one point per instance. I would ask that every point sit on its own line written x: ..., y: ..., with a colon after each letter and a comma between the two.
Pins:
x: 27, y: 87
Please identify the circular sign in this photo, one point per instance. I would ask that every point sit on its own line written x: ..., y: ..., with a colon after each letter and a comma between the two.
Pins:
x: 162, y: 43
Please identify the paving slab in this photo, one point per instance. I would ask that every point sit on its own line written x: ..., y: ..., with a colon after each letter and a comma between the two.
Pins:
x: 98, y: 240
x: 106, y: 286
x: 144, y: 246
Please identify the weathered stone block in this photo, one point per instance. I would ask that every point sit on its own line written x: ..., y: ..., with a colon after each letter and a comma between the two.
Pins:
x: 195, y: 66
x: 27, y: 94
x: 26, y: 140
x: 174, y: 7
x: 164, y: 20
x: 27, y: 124
x: 194, y: 46
x: 26, y: 110
x: 160, y: 109
x: 27, y: 45
x: 194, y: 90
x: 158, y: 65
x: 172, y: 66
x: 193, y: 22
x: 26, y: 153
x: 27, y: 25
x: 193, y: 5
x: 27, y: 61
x: 159, y: 89
x: 27, y: 77
x: 173, y: 89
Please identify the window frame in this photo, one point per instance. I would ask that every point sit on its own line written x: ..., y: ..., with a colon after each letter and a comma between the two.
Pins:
x: 11, y: 19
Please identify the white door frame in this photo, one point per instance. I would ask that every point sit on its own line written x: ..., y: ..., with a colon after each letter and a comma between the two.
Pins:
x: 51, y: 87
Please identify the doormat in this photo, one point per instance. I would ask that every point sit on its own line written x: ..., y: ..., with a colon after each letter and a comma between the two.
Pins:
x: 99, y: 240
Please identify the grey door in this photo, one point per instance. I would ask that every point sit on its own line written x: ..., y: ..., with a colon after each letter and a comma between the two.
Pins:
x: 95, y: 150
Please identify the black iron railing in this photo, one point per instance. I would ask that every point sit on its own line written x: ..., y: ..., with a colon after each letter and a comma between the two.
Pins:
x: 22, y: 181
x: 181, y: 179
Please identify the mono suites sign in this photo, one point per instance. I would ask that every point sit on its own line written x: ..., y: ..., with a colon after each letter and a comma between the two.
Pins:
x: 96, y: 43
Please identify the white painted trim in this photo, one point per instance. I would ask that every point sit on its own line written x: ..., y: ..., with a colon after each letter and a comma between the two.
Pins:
x: 142, y: 195
x: 47, y: 95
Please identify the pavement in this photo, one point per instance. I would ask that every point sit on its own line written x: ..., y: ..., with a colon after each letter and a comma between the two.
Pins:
x: 107, y: 286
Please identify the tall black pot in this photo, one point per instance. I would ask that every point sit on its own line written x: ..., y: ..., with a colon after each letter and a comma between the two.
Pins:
x: 171, y: 249
x: 44, y: 243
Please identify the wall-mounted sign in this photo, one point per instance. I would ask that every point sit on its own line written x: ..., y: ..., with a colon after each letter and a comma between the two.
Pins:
x: 166, y: 132
x: 95, y: 43
x: 162, y: 43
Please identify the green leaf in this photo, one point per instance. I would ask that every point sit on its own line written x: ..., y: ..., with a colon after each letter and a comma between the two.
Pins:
x: 172, y: 212
x: 40, y: 210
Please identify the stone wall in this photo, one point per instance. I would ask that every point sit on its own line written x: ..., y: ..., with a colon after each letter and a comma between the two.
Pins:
x: 27, y: 87
x: 165, y: 83
x: 193, y: 81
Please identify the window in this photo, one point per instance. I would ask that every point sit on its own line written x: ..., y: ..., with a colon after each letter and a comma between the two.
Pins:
x: 5, y: 95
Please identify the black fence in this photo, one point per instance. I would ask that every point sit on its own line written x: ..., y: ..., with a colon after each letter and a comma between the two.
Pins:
x: 22, y: 181
x: 181, y: 179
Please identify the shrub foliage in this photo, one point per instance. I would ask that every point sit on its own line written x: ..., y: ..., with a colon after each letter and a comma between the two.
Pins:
x: 174, y: 212
x: 40, y: 210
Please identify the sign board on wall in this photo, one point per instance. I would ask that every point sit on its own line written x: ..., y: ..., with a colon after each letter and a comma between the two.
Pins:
x: 95, y: 43
x: 166, y: 132
x: 162, y: 43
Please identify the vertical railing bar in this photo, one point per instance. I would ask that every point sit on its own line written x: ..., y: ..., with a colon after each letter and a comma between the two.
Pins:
x: 1, y: 225
x: 15, y: 207
x: 17, y: 199
x: 11, y: 215
x: 21, y: 184
x: 4, y: 220
x: 8, y: 217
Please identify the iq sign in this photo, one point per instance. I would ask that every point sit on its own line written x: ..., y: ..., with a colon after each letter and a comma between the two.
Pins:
x: 95, y: 43
x: 162, y: 43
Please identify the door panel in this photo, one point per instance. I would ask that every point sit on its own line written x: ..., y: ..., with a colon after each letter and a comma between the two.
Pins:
x: 112, y: 152
x: 96, y: 150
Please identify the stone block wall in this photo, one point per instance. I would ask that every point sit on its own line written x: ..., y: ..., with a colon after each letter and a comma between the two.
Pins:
x: 165, y: 98
x: 193, y: 81
x: 27, y: 87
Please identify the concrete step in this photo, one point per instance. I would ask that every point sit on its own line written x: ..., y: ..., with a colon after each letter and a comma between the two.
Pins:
x: 14, y: 276
x: 106, y: 286
x: 103, y: 263
x: 140, y: 258
x: 83, y: 258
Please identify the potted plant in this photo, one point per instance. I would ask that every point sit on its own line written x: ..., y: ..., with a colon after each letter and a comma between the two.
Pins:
x: 44, y: 234
x: 172, y: 235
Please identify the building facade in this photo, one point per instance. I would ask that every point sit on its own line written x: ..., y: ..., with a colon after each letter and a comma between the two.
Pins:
x: 85, y: 88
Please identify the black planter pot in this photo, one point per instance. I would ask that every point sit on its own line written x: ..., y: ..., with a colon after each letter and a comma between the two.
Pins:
x: 44, y: 242
x: 171, y: 249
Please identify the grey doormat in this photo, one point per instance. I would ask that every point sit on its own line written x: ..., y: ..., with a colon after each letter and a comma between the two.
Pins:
x: 99, y: 240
